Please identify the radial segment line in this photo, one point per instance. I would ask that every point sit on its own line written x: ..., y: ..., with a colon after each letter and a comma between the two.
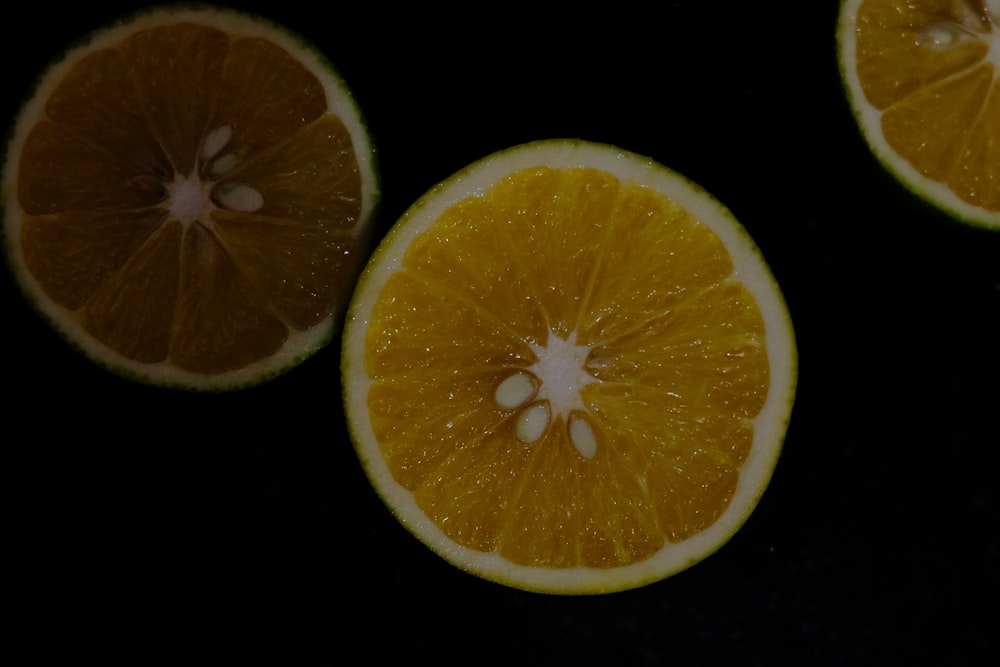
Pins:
x: 683, y: 304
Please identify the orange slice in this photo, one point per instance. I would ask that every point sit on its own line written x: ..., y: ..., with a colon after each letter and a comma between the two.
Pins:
x: 923, y: 78
x: 187, y: 198
x: 568, y: 369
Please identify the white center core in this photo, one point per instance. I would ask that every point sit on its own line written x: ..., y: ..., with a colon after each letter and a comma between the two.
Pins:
x: 550, y: 388
x: 188, y: 198
x: 561, y: 372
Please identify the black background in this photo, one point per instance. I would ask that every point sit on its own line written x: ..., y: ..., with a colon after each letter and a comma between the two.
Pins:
x: 157, y: 527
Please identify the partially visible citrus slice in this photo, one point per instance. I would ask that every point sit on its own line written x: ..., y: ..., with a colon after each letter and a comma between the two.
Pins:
x: 187, y: 198
x: 568, y: 369
x: 923, y: 78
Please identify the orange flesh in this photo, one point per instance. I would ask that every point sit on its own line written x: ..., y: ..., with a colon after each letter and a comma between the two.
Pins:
x: 676, y: 352
x: 215, y: 293
x: 926, y: 66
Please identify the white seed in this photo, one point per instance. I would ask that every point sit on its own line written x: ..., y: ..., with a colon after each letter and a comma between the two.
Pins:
x: 532, y: 422
x: 216, y: 140
x: 516, y: 390
x: 240, y: 197
x: 222, y: 165
x: 582, y: 437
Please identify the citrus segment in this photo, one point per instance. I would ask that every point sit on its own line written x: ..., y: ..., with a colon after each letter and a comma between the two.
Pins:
x: 923, y: 77
x: 187, y: 198
x: 568, y: 369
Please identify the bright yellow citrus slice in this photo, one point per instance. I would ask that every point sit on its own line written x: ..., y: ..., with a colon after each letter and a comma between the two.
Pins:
x: 923, y: 78
x: 568, y: 369
x: 187, y: 196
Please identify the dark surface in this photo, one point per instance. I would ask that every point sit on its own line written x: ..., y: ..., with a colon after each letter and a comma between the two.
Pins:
x: 156, y: 527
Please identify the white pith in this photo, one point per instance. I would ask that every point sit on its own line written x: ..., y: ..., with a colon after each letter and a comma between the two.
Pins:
x: 552, y: 385
x: 942, y: 35
x: 191, y: 197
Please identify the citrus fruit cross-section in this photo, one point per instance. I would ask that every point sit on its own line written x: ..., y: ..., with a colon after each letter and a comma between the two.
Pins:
x: 568, y: 369
x: 187, y: 198
x: 923, y: 79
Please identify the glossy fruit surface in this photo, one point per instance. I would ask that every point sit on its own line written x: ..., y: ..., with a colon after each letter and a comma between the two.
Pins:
x: 923, y: 78
x: 187, y: 198
x: 569, y: 369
